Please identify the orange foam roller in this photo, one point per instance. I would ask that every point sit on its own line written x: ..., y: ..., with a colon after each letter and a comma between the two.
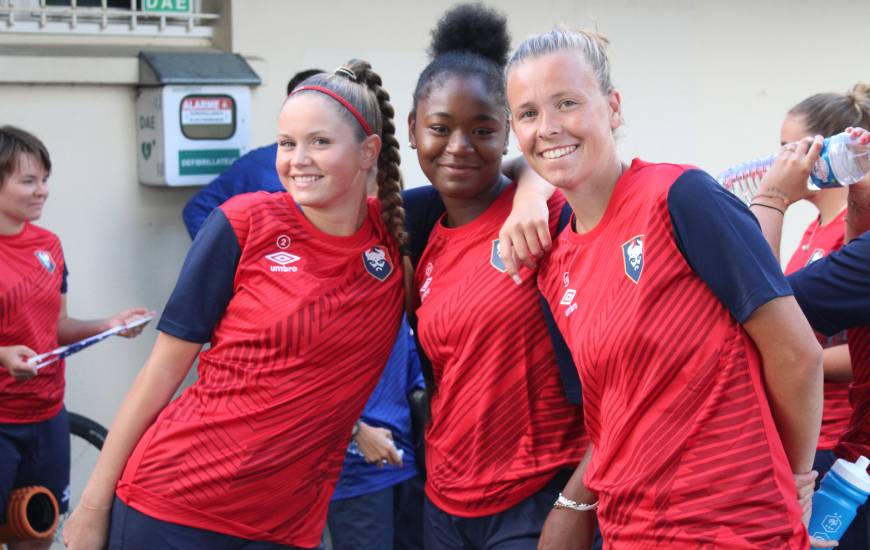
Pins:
x: 32, y: 513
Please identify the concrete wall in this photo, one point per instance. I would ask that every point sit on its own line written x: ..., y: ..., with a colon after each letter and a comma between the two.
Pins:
x: 702, y: 82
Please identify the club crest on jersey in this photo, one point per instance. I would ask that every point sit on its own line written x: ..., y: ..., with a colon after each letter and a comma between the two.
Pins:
x: 494, y: 258
x: 45, y: 259
x: 632, y: 257
x: 282, y: 261
x: 817, y: 255
x: 377, y: 263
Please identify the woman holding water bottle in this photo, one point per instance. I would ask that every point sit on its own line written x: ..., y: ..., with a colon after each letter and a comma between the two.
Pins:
x: 827, y: 114
x: 834, y: 293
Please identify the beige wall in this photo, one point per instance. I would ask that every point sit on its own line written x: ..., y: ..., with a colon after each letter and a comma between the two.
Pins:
x: 702, y: 82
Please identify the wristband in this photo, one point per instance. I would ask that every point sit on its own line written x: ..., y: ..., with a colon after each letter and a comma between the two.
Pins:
x: 767, y: 206
x: 355, y: 429
x: 565, y: 502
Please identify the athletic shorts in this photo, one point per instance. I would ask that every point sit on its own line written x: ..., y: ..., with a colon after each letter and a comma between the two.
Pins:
x: 35, y: 454
x: 132, y: 530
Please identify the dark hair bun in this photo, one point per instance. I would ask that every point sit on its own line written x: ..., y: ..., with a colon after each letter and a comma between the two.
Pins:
x: 473, y: 28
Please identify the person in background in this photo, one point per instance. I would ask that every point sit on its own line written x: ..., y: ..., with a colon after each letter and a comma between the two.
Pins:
x: 827, y: 114
x: 34, y: 429
x: 253, y: 171
x: 833, y: 292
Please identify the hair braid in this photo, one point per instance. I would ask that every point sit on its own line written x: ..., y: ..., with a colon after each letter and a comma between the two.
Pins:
x: 389, y: 177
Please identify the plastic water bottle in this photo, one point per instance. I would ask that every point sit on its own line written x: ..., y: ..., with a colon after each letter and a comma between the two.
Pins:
x: 844, y: 489
x: 843, y: 161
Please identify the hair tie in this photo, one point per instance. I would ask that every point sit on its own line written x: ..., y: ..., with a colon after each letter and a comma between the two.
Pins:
x: 346, y: 72
x: 345, y: 103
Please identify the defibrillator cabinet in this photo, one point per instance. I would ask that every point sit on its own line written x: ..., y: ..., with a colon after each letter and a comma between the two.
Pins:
x: 193, y: 115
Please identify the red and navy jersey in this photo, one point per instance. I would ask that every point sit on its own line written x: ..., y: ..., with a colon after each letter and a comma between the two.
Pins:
x: 819, y: 241
x: 855, y: 441
x: 301, y: 324
x: 501, y: 426
x: 834, y: 294
x: 32, y: 279
x: 686, y: 453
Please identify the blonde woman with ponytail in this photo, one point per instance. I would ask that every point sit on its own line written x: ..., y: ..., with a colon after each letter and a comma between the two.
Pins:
x: 300, y: 297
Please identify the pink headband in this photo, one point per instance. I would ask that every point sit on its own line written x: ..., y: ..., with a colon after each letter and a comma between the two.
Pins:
x: 356, y: 114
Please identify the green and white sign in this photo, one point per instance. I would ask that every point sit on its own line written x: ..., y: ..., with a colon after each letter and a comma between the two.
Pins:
x: 205, y: 161
x: 174, y: 6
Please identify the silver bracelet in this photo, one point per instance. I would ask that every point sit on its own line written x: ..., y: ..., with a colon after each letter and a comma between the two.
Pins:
x: 565, y: 502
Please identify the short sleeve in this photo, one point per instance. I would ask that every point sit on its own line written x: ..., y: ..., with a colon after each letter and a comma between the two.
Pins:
x: 834, y: 292
x: 205, y: 284
x: 722, y: 242
x: 64, y: 285
x: 423, y: 207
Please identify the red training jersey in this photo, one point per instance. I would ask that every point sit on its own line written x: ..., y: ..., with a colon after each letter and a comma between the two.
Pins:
x: 254, y: 448
x: 855, y: 441
x: 819, y: 241
x: 501, y: 425
x: 686, y: 453
x: 31, y: 283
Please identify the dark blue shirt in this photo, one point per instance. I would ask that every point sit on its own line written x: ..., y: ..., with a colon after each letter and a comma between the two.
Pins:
x: 834, y: 292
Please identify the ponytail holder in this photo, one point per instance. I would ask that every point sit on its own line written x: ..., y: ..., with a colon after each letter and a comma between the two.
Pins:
x: 346, y: 72
x: 344, y: 103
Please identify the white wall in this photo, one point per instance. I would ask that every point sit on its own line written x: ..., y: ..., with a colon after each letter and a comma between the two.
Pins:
x: 702, y: 82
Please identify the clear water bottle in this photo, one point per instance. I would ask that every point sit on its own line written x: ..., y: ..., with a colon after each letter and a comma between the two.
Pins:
x: 843, y: 490
x: 843, y: 161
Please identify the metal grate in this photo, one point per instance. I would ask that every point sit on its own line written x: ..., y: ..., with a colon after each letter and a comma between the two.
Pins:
x: 102, y: 17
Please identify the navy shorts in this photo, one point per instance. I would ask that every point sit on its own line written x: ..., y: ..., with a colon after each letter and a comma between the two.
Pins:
x: 132, y: 530
x: 35, y: 453
x: 517, y: 528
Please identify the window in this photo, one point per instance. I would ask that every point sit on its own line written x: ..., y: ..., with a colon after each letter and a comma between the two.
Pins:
x: 175, y: 18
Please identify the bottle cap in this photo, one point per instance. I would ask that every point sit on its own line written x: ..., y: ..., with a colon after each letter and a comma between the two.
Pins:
x: 855, y: 473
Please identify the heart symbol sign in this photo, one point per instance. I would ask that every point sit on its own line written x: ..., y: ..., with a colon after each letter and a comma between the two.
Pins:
x: 146, y: 149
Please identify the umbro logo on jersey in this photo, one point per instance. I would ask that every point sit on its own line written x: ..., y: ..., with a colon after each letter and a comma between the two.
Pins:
x: 632, y: 257
x: 568, y: 297
x: 282, y: 261
x: 45, y: 259
x: 377, y: 263
x: 495, y: 257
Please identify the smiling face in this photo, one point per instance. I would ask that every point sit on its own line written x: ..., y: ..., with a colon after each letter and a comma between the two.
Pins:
x: 320, y: 159
x: 563, y: 121
x: 23, y: 194
x: 460, y: 135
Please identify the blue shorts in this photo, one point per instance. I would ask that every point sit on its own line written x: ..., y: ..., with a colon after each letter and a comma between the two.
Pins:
x: 517, y: 528
x: 130, y: 529
x: 35, y: 453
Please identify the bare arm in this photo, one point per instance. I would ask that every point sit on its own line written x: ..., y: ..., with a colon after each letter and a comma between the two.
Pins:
x: 71, y: 330
x: 525, y: 234
x: 570, y: 529
x: 782, y: 185
x: 792, y: 367
x: 837, y: 363
x: 164, y: 370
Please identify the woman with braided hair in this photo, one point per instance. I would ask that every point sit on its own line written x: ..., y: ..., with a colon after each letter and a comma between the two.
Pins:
x: 248, y: 456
